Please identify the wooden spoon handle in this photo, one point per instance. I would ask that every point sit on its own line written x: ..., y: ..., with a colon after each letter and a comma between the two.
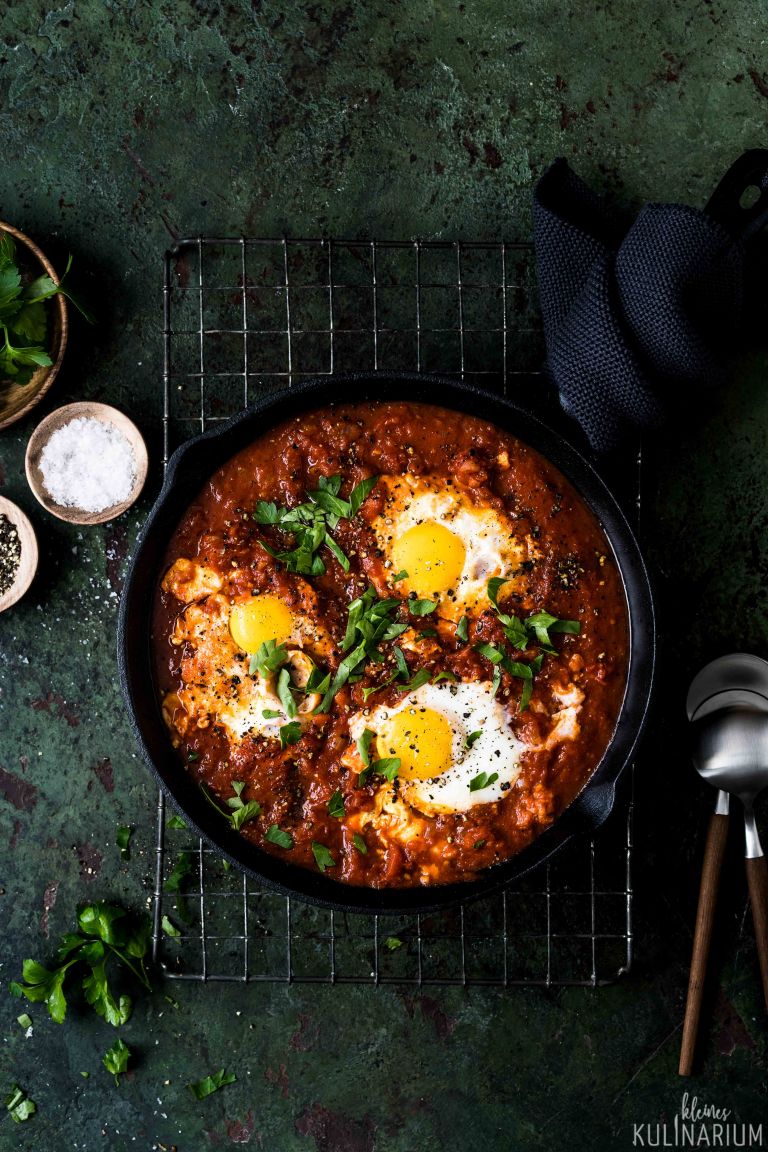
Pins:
x: 714, y: 851
x: 757, y: 875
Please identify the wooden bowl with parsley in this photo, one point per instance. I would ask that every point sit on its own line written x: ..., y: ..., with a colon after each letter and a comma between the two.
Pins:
x: 33, y: 324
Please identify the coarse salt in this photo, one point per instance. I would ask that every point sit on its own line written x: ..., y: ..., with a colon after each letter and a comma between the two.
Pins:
x: 88, y: 464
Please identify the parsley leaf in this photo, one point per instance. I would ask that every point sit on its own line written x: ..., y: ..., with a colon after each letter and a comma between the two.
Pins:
x: 421, y: 607
x: 323, y: 857
x: 268, y: 657
x: 388, y: 767
x: 277, y: 836
x: 169, y: 927
x: 483, y: 780
x: 285, y: 693
x: 462, y: 629
x: 212, y: 1083
x: 421, y: 677
x: 290, y: 733
x: 336, y: 805
x: 401, y: 575
x: 122, y: 839
x: 181, y: 871
x: 363, y: 746
x: 19, y: 1104
x: 241, y: 811
x: 116, y: 1058
x: 360, y: 844
x: 472, y: 738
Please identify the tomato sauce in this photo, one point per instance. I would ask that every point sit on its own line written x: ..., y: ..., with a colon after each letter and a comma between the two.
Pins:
x: 575, y: 577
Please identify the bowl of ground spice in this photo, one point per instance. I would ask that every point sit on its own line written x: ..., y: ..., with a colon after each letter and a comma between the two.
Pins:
x: 86, y: 463
x: 18, y: 553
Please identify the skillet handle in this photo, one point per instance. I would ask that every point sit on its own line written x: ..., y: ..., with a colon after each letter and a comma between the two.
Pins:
x: 757, y: 876
x: 714, y: 851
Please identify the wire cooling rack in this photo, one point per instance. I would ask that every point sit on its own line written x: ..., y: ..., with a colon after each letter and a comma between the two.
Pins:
x: 245, y: 317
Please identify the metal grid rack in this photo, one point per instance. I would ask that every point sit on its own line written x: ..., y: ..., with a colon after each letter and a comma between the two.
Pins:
x: 245, y: 317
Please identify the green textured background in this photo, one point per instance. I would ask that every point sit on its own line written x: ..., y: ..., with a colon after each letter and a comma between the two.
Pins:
x: 127, y: 125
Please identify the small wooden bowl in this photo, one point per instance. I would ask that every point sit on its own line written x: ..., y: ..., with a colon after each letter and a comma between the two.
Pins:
x: 28, y: 561
x: 17, y: 399
x: 57, y: 419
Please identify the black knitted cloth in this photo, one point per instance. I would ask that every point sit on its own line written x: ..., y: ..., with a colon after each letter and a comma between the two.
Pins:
x: 631, y: 321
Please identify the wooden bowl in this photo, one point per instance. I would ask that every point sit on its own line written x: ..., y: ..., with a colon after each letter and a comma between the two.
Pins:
x: 17, y: 399
x: 28, y: 561
x: 57, y: 419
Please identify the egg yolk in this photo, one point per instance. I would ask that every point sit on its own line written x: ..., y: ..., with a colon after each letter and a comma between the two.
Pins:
x: 432, y: 555
x: 422, y: 740
x: 259, y: 619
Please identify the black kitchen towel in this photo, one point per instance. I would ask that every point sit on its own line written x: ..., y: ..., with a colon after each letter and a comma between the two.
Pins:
x: 636, y: 320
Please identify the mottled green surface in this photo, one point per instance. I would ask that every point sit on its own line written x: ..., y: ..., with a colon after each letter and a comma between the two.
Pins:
x: 124, y: 125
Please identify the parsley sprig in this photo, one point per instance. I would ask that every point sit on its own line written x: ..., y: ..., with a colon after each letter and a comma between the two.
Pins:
x: 105, y: 932
x: 241, y: 811
x: 310, y: 524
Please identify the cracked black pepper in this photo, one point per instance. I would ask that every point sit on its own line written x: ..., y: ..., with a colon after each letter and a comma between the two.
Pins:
x: 10, y: 553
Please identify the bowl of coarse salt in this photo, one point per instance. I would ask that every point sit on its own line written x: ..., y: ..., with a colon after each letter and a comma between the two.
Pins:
x: 86, y: 463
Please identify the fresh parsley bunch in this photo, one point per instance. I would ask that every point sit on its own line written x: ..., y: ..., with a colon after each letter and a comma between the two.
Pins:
x: 105, y: 932
x: 23, y: 320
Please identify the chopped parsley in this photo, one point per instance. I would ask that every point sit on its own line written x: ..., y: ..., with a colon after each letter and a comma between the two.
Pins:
x: 483, y: 780
x: 268, y: 657
x: 270, y: 713
x: 241, y: 811
x: 181, y: 871
x: 421, y: 607
x: 421, y: 677
x: 360, y: 844
x: 401, y: 575
x: 322, y: 856
x: 310, y: 524
x: 363, y: 746
x: 277, y: 836
x: 369, y: 623
x: 290, y: 734
x: 285, y: 693
x: 473, y: 736
x: 336, y: 805
x: 388, y: 767
x: 122, y: 839
x: 116, y: 1058
x: 19, y: 1104
x: 211, y: 1084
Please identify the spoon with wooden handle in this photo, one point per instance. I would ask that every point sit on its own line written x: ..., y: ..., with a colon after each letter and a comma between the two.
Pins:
x: 730, y: 752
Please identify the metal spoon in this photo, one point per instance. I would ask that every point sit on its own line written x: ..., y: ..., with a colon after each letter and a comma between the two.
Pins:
x: 728, y: 705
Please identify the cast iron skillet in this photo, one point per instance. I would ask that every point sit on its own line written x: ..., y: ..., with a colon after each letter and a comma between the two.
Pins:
x: 192, y: 465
